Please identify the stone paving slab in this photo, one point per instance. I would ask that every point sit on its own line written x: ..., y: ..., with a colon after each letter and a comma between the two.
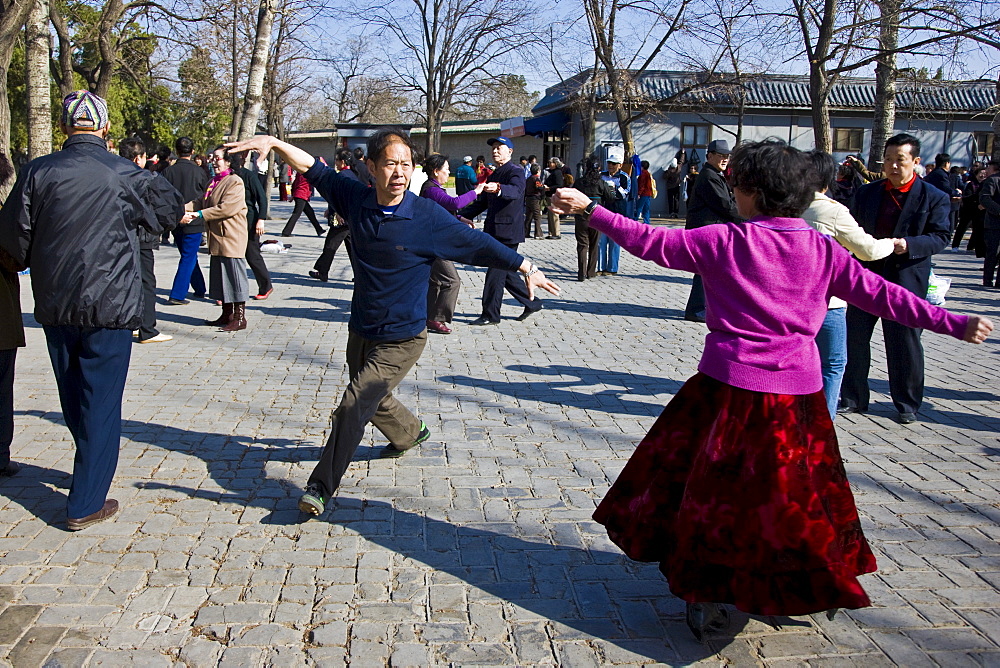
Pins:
x: 477, y: 549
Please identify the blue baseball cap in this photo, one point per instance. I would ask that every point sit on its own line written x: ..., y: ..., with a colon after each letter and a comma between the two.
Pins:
x: 501, y: 140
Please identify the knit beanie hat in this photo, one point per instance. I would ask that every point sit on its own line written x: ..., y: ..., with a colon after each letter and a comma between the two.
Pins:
x: 82, y: 110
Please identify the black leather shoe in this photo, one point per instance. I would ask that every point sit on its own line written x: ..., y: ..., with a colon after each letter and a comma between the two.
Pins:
x: 527, y: 313
x: 846, y: 410
x: 694, y: 318
x: 480, y: 321
x: 11, y: 469
x: 907, y: 418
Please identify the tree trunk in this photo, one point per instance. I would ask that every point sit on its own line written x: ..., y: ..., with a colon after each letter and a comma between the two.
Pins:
x: 435, y: 116
x: 62, y: 69
x: 996, y: 126
x: 253, y: 99
x: 12, y: 17
x: 819, y: 93
x: 234, y: 128
x: 885, y: 82
x: 39, y: 94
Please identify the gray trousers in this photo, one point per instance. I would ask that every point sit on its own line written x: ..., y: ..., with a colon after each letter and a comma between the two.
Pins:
x: 376, y: 368
x: 442, y: 291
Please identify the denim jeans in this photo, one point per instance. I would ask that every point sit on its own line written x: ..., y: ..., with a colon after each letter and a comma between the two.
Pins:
x: 832, y: 343
x: 645, y: 203
x: 188, y: 271
x: 608, y: 253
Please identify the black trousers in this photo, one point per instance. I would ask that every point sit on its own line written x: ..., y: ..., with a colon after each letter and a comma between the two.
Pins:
x: 147, y: 329
x: 336, y: 235
x: 696, y: 300
x: 7, y: 358
x: 673, y: 200
x: 586, y: 248
x: 493, y: 287
x: 533, y: 215
x: 991, y: 243
x: 904, y: 356
x: 300, y: 206
x: 257, y: 265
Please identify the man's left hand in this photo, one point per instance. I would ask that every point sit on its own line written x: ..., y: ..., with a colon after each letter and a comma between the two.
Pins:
x: 899, y: 246
x: 539, y: 280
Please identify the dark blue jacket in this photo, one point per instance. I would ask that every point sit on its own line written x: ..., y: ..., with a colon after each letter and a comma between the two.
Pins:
x: 924, y: 222
x: 393, y: 253
x: 504, y: 211
x: 73, y: 217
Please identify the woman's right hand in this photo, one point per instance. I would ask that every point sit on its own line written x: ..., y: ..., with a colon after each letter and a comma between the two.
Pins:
x: 978, y: 329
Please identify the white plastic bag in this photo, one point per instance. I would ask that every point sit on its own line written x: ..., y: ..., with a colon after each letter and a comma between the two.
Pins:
x: 937, y: 288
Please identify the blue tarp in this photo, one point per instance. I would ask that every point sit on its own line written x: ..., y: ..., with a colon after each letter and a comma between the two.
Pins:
x: 554, y: 122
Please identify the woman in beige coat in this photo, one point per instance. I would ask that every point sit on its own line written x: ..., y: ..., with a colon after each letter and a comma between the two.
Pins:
x: 834, y: 219
x: 224, y: 209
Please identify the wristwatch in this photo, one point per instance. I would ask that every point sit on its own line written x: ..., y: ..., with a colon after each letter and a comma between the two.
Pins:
x: 589, y: 209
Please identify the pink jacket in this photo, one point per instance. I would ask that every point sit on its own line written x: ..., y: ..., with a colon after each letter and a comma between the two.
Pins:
x: 767, y: 285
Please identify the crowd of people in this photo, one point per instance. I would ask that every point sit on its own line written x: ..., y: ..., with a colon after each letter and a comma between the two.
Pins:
x: 738, y: 490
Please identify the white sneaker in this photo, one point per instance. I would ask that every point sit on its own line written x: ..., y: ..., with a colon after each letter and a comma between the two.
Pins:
x: 159, y: 338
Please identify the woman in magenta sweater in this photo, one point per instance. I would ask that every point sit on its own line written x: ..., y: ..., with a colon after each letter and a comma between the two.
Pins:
x: 738, y: 490
x: 442, y: 292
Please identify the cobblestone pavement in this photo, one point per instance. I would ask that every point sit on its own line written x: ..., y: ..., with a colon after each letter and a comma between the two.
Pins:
x: 478, y: 548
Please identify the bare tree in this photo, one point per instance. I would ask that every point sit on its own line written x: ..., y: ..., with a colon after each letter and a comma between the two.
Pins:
x: 451, y: 45
x: 254, y: 97
x: 38, y: 89
x: 657, y: 22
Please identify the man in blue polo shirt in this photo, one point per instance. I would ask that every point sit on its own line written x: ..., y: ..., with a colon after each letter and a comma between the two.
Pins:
x: 396, y: 237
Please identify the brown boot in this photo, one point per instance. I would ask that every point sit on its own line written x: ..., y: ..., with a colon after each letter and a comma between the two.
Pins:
x: 239, y: 319
x: 227, y: 315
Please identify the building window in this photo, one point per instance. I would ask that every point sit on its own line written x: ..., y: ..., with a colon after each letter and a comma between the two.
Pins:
x: 695, y: 135
x: 984, y: 144
x: 848, y: 140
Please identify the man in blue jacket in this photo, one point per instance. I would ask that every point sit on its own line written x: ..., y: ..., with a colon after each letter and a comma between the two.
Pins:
x: 396, y: 236
x: 503, y: 201
x: 903, y: 207
x: 72, y: 218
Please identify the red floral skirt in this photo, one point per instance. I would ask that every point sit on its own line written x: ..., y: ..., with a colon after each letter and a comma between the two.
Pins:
x: 742, y: 497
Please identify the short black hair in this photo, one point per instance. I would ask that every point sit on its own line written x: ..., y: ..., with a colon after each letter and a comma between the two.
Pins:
x: 532, y: 157
x: 941, y: 159
x: 383, y: 137
x: 359, y: 153
x: 824, y: 170
x: 434, y: 162
x: 163, y: 152
x: 779, y: 177
x: 523, y: 157
x: 131, y: 148
x: 480, y: 158
x: 644, y: 164
x: 904, y: 139
x: 184, y: 146
x: 346, y: 156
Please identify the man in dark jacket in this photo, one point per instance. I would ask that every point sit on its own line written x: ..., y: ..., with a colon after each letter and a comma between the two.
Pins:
x: 256, y: 199
x: 503, y: 201
x: 191, y: 181
x: 989, y: 199
x: 166, y: 203
x: 711, y: 202
x: 72, y: 217
x: 904, y: 208
x: 942, y: 179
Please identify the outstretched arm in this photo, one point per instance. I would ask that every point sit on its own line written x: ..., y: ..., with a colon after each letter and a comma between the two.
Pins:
x: 293, y: 156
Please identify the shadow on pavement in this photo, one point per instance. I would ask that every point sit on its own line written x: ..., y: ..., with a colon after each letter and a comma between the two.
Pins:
x: 560, y: 392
